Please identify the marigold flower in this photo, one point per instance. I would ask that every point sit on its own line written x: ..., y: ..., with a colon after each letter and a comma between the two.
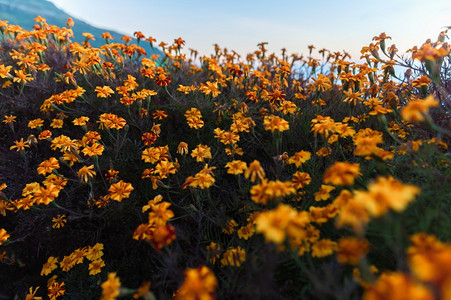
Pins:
x: 324, y: 192
x: 103, y: 92
x: 273, y: 123
x: 301, y: 179
x: 274, y: 223
x: 120, y: 190
x: 416, y: 110
x: 110, y: 287
x: 299, y: 158
x: 182, y: 148
x: 324, y: 247
x: 236, y: 167
x: 397, y: 286
x: 351, y: 250
x: 210, y: 88
x: 254, y: 171
x: 385, y: 193
x: 47, y: 166
x: 49, y: 266
x: 20, y: 145
x: 162, y: 80
x: 56, y: 289
x: 95, y: 267
x: 59, y: 221
x: 35, y: 123
x: 4, y: 236
x: 199, y: 283
x: 342, y: 173
x: 47, y: 194
x: 201, y: 152
x: 85, y: 173
x: 233, y: 257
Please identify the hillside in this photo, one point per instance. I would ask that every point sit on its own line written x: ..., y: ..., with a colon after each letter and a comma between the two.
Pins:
x: 23, y: 12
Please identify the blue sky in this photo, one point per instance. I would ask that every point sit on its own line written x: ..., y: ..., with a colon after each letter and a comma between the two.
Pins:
x: 241, y: 25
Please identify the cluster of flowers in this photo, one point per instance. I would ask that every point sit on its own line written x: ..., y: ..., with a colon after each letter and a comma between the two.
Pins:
x: 285, y: 200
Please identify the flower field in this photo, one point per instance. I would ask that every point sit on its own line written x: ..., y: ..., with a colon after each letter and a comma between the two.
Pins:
x: 270, y: 176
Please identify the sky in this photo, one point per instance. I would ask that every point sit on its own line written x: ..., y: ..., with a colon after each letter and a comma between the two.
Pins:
x: 240, y: 25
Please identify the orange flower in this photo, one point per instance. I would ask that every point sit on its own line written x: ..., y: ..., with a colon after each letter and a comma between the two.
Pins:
x: 199, y: 283
x: 416, y: 110
x: 47, y: 166
x: 254, y: 171
x: 120, y: 190
x: 4, y: 236
x: 103, y: 92
x: 397, y: 286
x: 351, y: 250
x: 273, y: 123
x: 342, y: 173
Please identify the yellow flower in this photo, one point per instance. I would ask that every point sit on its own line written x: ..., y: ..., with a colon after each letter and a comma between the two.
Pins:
x: 9, y: 119
x: 201, y: 152
x: 324, y: 192
x: 301, y: 179
x: 47, y: 194
x: 233, y: 257
x: 397, y: 286
x: 273, y: 123
x: 20, y: 145
x: 49, y: 266
x: 35, y: 123
x: 274, y: 223
x: 110, y: 287
x: 47, y: 166
x: 236, y: 167
x: 299, y: 158
x: 385, y: 193
x: 104, y: 92
x: 324, y: 247
x: 416, y: 110
x: 351, y: 250
x: 56, y: 289
x: 254, y: 171
x: 22, y: 77
x: 4, y: 236
x: 342, y: 173
x: 95, y: 267
x: 59, y: 221
x: 85, y: 173
x: 210, y: 88
x: 57, y: 123
x: 182, y: 148
x: 80, y: 121
x: 120, y: 190
x: 95, y: 252
x: 199, y: 283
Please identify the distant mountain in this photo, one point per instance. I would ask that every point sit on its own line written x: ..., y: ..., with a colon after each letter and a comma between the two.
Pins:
x: 22, y: 13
